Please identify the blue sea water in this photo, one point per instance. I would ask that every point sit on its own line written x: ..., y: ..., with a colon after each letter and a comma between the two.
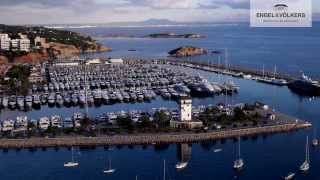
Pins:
x: 265, y: 157
x: 292, y: 50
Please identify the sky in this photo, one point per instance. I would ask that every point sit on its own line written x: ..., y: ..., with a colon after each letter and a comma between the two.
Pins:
x: 106, y: 11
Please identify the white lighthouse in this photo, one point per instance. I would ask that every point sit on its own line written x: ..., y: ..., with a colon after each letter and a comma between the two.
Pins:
x: 185, y: 118
x: 185, y: 109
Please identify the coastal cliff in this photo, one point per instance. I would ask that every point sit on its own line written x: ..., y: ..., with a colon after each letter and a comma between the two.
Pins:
x: 186, y: 51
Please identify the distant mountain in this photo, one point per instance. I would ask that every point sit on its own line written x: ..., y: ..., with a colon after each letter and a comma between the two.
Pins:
x: 149, y: 22
x: 146, y: 23
x: 157, y: 22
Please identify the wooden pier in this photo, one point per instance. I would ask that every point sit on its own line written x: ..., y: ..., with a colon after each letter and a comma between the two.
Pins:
x: 147, y: 138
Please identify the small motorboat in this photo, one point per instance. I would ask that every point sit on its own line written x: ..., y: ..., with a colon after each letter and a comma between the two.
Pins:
x: 181, y: 165
x: 290, y: 176
x: 217, y: 150
x: 72, y: 163
x: 110, y: 170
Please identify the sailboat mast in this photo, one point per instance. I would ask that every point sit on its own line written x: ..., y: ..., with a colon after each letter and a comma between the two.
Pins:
x: 219, y: 69
x: 72, y: 155
x: 239, y: 148
x: 307, y: 150
x: 226, y: 61
x: 263, y: 71
x: 164, y: 169
x: 85, y: 91
x: 275, y: 72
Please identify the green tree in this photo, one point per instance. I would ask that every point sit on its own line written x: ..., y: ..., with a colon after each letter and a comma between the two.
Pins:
x: 125, y: 122
x: 162, y: 119
x: 144, y: 122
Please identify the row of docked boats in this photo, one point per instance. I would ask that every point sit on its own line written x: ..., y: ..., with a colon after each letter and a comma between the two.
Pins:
x: 263, y: 78
x: 197, y: 86
x: 20, y: 102
x: 43, y: 123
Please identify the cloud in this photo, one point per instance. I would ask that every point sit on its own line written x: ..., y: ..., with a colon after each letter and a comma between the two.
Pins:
x: 101, y: 11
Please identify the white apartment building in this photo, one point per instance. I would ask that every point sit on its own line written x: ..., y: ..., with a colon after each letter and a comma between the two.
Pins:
x: 25, y: 45
x: 15, y: 44
x: 4, y: 36
x: 5, y: 42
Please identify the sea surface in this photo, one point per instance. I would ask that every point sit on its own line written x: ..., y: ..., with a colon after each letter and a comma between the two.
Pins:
x: 291, y: 50
x: 266, y: 157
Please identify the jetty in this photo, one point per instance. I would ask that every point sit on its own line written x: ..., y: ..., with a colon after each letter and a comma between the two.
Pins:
x: 149, y: 138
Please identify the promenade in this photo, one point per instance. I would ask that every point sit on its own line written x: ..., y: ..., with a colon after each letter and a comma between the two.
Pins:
x: 149, y: 138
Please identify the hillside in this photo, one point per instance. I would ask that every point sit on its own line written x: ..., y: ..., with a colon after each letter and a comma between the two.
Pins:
x: 60, y: 43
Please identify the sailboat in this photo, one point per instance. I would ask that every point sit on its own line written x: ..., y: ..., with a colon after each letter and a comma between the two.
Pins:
x: 238, y: 163
x: 315, y: 141
x: 306, y: 164
x: 110, y: 170
x: 72, y: 163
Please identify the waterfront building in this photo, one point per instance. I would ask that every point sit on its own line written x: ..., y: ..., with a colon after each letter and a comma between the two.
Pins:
x: 5, y: 42
x: 185, y: 108
x: 40, y: 42
x: 15, y: 44
x: 115, y: 61
x: 6, y: 36
x: 25, y: 45
x: 66, y: 63
x: 23, y: 36
x: 185, y: 119
x: 93, y: 61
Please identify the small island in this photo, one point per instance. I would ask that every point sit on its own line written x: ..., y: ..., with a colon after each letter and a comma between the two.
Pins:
x: 186, y: 51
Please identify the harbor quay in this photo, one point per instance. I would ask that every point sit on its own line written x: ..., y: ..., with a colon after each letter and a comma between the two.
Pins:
x: 149, y: 138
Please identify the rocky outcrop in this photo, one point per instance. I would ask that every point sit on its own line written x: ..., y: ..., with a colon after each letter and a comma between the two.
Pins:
x: 186, y: 51
x: 34, y: 57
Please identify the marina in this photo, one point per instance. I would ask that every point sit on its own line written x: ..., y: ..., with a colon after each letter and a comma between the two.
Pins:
x: 108, y: 84
x: 279, y: 148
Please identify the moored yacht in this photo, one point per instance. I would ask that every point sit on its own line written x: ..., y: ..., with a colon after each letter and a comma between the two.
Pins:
x: 36, y: 101
x: 181, y: 165
x: 44, y: 123
x: 71, y: 163
x: 110, y: 170
x: 238, y: 163
x: 306, y: 164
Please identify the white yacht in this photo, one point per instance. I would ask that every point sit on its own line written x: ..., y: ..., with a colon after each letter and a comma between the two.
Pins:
x: 217, y: 150
x: 181, y: 165
x: 306, y: 164
x: 56, y: 121
x: 72, y: 163
x: 44, y: 123
x: 290, y: 176
x: 110, y: 170
x: 315, y: 141
x: 7, y: 125
x: 238, y: 163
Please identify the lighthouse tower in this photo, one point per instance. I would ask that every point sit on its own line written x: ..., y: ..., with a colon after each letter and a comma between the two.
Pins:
x: 185, y: 109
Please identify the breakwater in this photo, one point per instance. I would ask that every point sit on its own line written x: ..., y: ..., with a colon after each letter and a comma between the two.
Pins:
x: 148, y: 138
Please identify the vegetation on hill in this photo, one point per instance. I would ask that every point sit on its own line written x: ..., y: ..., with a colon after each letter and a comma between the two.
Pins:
x: 185, y: 51
x: 52, y: 35
x: 18, y: 82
